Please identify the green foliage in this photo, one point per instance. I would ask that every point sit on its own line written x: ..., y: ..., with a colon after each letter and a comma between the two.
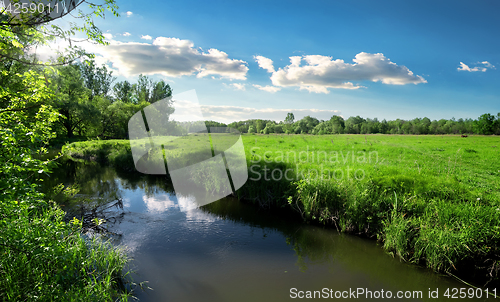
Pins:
x: 42, y: 257
x: 145, y: 90
x: 215, y: 127
x: 25, y: 126
x: 45, y: 259
x: 86, y: 108
x: 123, y: 91
x: 72, y: 100
x: 485, y: 124
x: 97, y: 80
x: 160, y: 91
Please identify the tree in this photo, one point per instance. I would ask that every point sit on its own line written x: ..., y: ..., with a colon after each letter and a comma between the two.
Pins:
x: 72, y: 99
x: 216, y: 127
x: 485, y: 124
x: 382, y: 127
x: 97, y: 80
x: 310, y: 123
x: 259, y: 125
x: 24, y: 32
x: 26, y: 127
x: 290, y: 118
x: 497, y: 124
x: 406, y: 127
x: 353, y: 124
x: 123, y: 91
x: 142, y: 89
x: 114, y: 123
x: 337, y: 124
x: 160, y: 91
x: 322, y: 128
x: 424, y: 125
x: 269, y: 128
x: 251, y: 129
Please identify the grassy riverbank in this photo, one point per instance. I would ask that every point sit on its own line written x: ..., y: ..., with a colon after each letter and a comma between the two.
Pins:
x: 43, y: 258
x: 432, y: 200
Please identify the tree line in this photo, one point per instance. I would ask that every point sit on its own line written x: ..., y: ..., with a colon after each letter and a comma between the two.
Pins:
x: 485, y: 124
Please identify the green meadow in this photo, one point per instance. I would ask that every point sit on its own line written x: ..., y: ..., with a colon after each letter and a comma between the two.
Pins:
x: 430, y: 200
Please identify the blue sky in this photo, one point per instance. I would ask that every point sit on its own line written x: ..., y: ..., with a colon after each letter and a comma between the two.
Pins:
x: 384, y: 59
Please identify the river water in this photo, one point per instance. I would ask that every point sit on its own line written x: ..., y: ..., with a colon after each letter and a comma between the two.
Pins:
x: 232, y: 251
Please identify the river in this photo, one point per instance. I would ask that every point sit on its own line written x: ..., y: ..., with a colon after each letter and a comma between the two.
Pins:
x: 232, y: 251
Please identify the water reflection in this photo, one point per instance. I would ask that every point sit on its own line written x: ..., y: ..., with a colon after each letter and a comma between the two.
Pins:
x: 230, y: 251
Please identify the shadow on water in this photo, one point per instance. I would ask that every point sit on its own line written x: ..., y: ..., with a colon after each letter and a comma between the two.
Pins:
x: 316, y: 246
x: 232, y: 251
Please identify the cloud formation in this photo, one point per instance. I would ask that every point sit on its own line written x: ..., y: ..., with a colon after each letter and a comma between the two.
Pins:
x: 264, y: 63
x: 465, y: 67
x: 129, y: 14
x: 322, y: 72
x: 169, y: 57
x: 126, y: 34
x: 146, y: 37
x: 271, y: 89
x: 237, y: 86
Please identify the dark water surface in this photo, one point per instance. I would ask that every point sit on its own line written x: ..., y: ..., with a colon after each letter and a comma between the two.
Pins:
x: 231, y: 251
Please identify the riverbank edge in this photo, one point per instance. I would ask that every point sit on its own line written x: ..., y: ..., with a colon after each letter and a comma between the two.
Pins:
x: 45, y: 258
x: 413, y: 228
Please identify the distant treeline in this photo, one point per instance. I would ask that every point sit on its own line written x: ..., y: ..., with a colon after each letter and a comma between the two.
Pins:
x: 91, y: 105
x: 485, y: 124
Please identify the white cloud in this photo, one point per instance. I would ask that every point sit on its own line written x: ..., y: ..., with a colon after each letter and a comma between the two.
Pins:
x: 264, y: 63
x: 487, y: 64
x: 108, y: 36
x: 271, y: 89
x: 126, y: 34
x: 129, y: 14
x: 465, y: 67
x: 147, y: 37
x: 238, y: 86
x: 322, y: 72
x: 170, y: 57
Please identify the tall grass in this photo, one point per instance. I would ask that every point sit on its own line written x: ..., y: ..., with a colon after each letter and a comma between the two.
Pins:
x: 43, y: 258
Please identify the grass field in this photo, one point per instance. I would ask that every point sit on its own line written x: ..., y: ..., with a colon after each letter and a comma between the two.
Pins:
x: 431, y: 200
